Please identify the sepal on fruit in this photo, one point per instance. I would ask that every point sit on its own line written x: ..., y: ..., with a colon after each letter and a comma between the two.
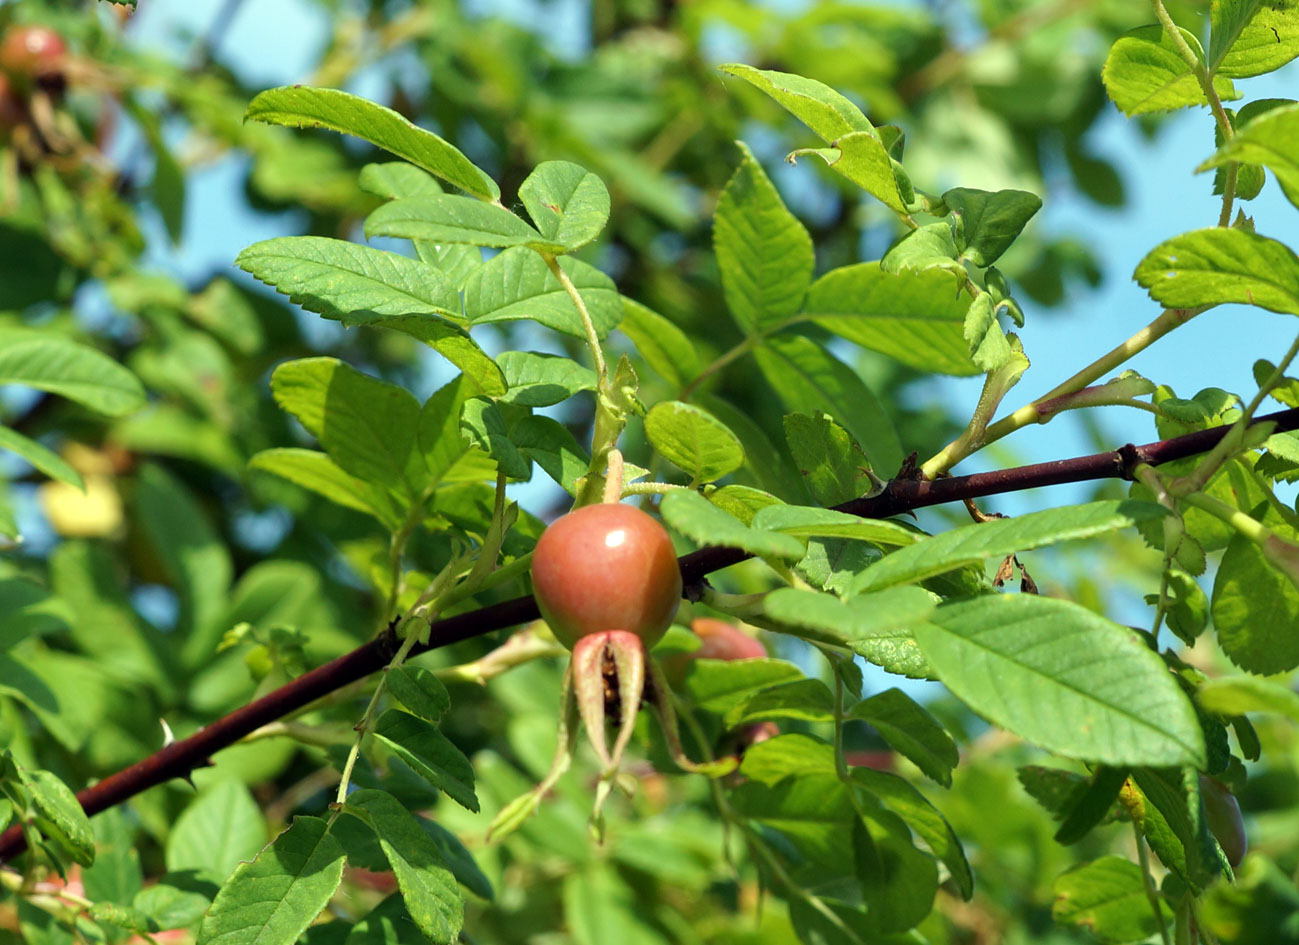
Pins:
x: 601, y: 662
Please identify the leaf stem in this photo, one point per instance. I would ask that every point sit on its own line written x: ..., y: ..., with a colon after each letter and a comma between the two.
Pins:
x: 738, y: 351
x: 588, y: 326
x: 1148, y: 883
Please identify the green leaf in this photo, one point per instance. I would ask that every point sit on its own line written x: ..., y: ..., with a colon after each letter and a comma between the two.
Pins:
x: 454, y: 344
x: 1064, y: 678
x: 482, y: 422
x: 807, y: 378
x: 898, y: 881
x: 427, y: 886
x: 1217, y: 265
x: 862, y: 157
x: 418, y: 690
x: 47, y: 362
x: 1091, y: 804
x: 439, y: 438
x: 40, y: 457
x: 219, y: 828
x: 988, y: 222
x: 764, y: 255
x: 772, y: 470
x: 808, y: 700
x: 821, y: 108
x: 115, y: 876
x: 548, y: 443
x: 1237, y: 695
x: 990, y: 346
x: 804, y: 521
x: 977, y: 543
x: 176, y: 900
x: 833, y: 465
x: 271, y: 900
x: 1144, y: 73
x: 1107, y: 897
x: 911, y: 731
x: 393, y: 179
x: 694, y: 440
x: 665, y: 347
x: 430, y: 753
x: 901, y: 797
x: 699, y: 520
x: 518, y: 284
x: 1272, y: 140
x: 932, y: 246
x: 59, y: 816
x: 720, y: 685
x: 877, y: 627
x: 915, y: 318
x: 366, y: 425
x: 600, y: 908
x: 347, y: 281
x: 540, y: 380
x: 458, y: 859
x: 1268, y: 39
x: 568, y: 204
x: 1255, y: 610
x: 449, y: 218
x: 314, y: 470
x: 301, y: 106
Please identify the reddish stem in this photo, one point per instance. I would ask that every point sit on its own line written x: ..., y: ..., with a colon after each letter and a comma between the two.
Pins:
x: 900, y: 495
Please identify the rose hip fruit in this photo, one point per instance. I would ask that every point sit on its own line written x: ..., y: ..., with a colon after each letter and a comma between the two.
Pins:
x: 724, y: 641
x: 606, y: 567
x: 36, y: 51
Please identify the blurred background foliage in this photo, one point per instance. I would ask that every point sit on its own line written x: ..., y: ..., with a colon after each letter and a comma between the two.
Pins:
x: 124, y: 592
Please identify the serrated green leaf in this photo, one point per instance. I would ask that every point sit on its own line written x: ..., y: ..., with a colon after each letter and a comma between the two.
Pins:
x: 807, y: 378
x: 914, y: 318
x: 665, y: 347
x: 1237, y: 695
x: 862, y: 157
x: 418, y: 690
x: 1108, y: 898
x: 430, y: 753
x: 271, y: 900
x: 428, y: 888
x: 1268, y: 37
x: 115, y: 875
x: 393, y: 179
x: 568, y: 204
x: 911, y: 731
x: 1217, y: 265
x: 449, y: 218
x: 61, y: 366
x: 923, y: 817
x: 990, y: 348
x: 59, y: 815
x: 1064, y: 678
x: 804, y: 521
x: 694, y: 440
x: 458, y: 859
x: 1271, y: 140
x: 454, y: 344
x: 518, y: 284
x: 40, y: 457
x: 548, y: 443
x: 347, y: 281
x: 877, y: 627
x: 220, y: 828
x: 833, y: 465
x: 808, y: 700
x: 1144, y: 73
x: 1255, y: 609
x: 366, y: 425
x: 988, y: 222
x: 314, y: 470
x: 818, y: 106
x: 720, y: 685
x: 699, y: 520
x: 764, y: 255
x: 302, y: 106
x: 176, y: 900
x: 540, y: 380
x: 482, y: 422
x: 977, y: 543
x: 931, y: 246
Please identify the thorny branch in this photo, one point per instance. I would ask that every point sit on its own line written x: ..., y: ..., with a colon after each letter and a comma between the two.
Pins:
x: 179, y: 758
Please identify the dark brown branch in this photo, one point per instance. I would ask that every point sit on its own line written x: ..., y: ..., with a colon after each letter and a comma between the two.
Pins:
x: 901, y: 495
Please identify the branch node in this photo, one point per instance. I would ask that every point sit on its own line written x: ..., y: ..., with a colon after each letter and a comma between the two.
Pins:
x: 1127, y: 458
